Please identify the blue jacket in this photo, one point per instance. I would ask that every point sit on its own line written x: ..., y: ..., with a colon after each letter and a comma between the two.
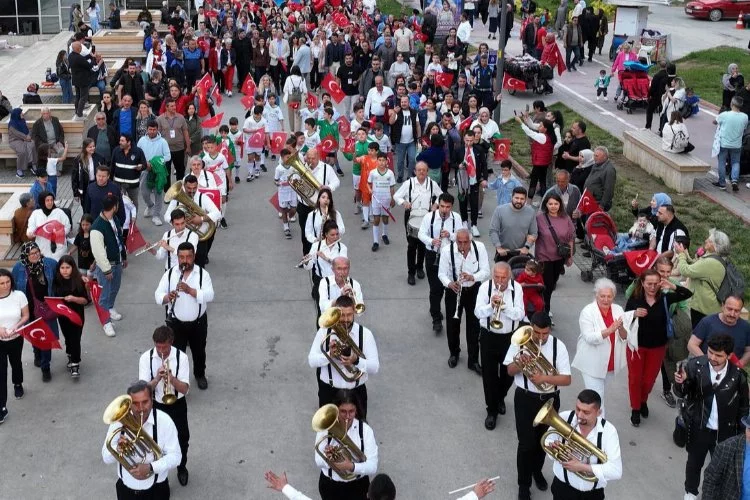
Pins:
x: 504, y: 191
x: 36, y: 190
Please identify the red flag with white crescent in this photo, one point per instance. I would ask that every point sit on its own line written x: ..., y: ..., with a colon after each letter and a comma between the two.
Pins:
x: 327, y: 145
x: 502, y: 149
x: 511, y: 83
x: 227, y: 154
x: 247, y: 101
x: 135, y: 241
x: 311, y: 100
x: 257, y: 139
x: 205, y: 83
x: 216, y: 96
x: 214, y: 194
x: 58, y: 305
x: 213, y: 122
x: 588, y: 205
x: 248, y: 86
x: 331, y: 86
x: 203, y: 109
x: 95, y: 290
x: 349, y: 145
x: 345, y: 126
x: 465, y: 124
x: 278, y: 139
x: 640, y: 260
x: 52, y: 230
x: 40, y: 335
x: 444, y: 79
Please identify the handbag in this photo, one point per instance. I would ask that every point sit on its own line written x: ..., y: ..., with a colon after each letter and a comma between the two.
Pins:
x: 563, y: 250
x: 41, y: 308
x: 670, y: 325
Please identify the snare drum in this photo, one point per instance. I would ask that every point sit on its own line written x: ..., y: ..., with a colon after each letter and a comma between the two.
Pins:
x: 415, y: 222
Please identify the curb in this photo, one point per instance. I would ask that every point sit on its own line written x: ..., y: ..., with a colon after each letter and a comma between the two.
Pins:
x: 520, y: 172
x: 709, y: 105
x: 715, y: 199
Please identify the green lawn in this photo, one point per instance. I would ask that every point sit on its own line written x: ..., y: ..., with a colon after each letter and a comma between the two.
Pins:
x: 392, y: 7
x: 703, y: 70
x: 695, y: 211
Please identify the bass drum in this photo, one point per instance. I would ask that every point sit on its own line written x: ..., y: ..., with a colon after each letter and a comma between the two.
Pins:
x: 415, y: 222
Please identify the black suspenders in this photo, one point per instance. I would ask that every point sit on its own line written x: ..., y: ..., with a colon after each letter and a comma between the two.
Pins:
x: 361, y: 447
x: 328, y: 346
x: 151, y: 366
x: 598, y: 445
x: 156, y: 440
x: 512, y: 287
x: 200, y: 306
x: 554, y: 364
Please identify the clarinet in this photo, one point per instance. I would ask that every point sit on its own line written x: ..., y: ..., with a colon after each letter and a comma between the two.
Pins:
x: 179, y: 280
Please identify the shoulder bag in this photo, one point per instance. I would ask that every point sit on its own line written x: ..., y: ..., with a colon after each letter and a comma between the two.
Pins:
x: 563, y: 249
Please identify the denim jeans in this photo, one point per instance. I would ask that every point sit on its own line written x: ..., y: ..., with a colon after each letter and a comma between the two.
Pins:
x: 153, y: 197
x: 46, y: 356
x: 576, y: 51
x: 110, y: 288
x: 405, y: 153
x: 67, y: 91
x: 101, y: 85
x: 734, y: 158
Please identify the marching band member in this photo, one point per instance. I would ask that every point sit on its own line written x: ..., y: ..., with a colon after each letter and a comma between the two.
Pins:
x: 331, y: 485
x: 167, y: 249
x: 324, y: 210
x: 530, y: 398
x: 438, y: 229
x: 321, y: 256
x: 190, y: 187
x: 148, y: 479
x: 503, y: 292
x: 329, y: 378
x: 418, y: 196
x: 332, y: 287
x: 326, y: 176
x: 463, y: 266
x: 165, y: 365
x: 602, y: 434
x: 205, y: 179
x: 287, y: 198
x: 185, y: 290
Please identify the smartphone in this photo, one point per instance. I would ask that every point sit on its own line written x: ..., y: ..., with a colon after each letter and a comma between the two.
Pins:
x: 527, y: 108
x: 514, y: 113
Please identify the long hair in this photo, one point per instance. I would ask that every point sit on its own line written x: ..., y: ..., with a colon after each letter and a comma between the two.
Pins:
x: 76, y: 284
x: 554, y: 196
x: 639, y: 292
x: 331, y: 208
x: 84, y: 155
x: 345, y: 396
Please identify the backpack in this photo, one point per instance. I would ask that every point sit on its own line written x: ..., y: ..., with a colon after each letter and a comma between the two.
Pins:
x: 296, y: 94
x: 679, y: 140
x: 733, y: 282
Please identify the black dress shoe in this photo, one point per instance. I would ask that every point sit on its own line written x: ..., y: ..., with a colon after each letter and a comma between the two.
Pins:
x: 453, y: 361
x: 540, y: 482
x: 182, y: 475
x: 524, y: 494
x: 437, y: 326
x: 490, y: 421
x: 501, y: 408
x: 420, y: 274
x: 644, y: 410
x: 477, y: 368
x: 46, y: 375
x: 202, y: 383
x: 635, y: 418
x: 411, y: 280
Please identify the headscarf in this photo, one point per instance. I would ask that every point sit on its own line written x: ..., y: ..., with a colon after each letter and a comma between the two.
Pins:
x: 43, y: 206
x: 588, y: 158
x: 17, y: 121
x: 726, y: 78
x: 33, y: 269
x: 661, y: 199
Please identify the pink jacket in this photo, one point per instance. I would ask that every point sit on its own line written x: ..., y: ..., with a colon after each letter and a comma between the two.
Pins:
x: 621, y: 59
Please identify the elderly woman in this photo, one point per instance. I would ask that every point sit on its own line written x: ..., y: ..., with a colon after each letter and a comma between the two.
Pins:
x: 600, y: 351
x: 14, y: 312
x: 651, y: 304
x: 48, y: 130
x: 489, y: 126
x: 46, y: 213
x: 21, y: 218
x: 555, y: 242
x: 20, y: 141
x: 33, y: 275
x: 706, y: 274
x: 731, y: 82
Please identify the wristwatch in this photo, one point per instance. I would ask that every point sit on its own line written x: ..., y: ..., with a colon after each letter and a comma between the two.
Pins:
x: 527, y: 246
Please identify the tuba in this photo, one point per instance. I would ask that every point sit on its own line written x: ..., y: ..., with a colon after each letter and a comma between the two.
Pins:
x: 191, y: 209
x: 169, y: 397
x: 573, y: 445
x: 330, y: 319
x: 538, y: 364
x: 303, y: 181
x: 138, y: 445
x: 326, y: 419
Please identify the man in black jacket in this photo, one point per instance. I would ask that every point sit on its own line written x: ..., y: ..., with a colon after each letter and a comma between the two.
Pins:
x: 716, y: 400
x: 725, y: 475
x: 82, y: 71
x: 529, y: 37
x: 130, y: 83
x: 655, y: 91
x: 114, y: 17
x: 429, y: 26
x: 243, y: 52
x: 404, y: 134
x: 101, y: 188
x: 471, y: 173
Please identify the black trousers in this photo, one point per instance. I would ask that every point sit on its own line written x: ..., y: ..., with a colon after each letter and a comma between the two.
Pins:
x: 277, y: 74
x: 436, y: 286
x: 700, y: 442
x: 81, y: 99
x: 201, y: 253
x: 327, y: 393
x: 72, y: 334
x: 495, y: 378
x: 303, y: 211
x: 453, y: 327
x: 178, y: 162
x: 696, y: 317
x: 179, y: 414
x: 191, y: 77
x: 316, y: 293
x: 242, y: 71
x: 471, y: 199
x: 414, y: 255
x: 653, y: 105
x: 550, y: 275
x: 562, y: 491
x: 159, y: 491
x: 339, y: 490
x: 538, y: 175
x: 530, y: 455
x: 315, y: 76
x: 193, y: 334
x: 10, y: 351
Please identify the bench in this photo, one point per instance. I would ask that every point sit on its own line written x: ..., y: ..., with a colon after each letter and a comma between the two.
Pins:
x: 12, y: 253
x: 678, y: 171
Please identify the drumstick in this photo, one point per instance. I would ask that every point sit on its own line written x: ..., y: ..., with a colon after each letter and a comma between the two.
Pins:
x: 470, y: 486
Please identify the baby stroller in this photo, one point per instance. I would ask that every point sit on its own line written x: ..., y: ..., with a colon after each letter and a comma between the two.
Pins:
x: 595, y: 259
x: 635, y: 85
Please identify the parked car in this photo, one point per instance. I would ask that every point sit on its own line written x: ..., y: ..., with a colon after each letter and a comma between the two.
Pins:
x: 716, y: 10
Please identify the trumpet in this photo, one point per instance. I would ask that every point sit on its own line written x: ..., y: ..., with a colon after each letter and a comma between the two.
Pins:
x: 495, y: 322
x: 313, y: 253
x: 330, y: 319
x: 460, y: 289
x: 359, y: 306
x: 169, y: 397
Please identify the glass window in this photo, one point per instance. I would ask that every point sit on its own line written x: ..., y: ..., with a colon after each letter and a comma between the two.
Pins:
x: 8, y: 25
x: 8, y: 8
x: 28, y: 25
x: 28, y: 7
x: 51, y: 7
x: 50, y: 24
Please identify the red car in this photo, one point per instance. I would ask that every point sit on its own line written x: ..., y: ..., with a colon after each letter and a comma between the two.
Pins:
x: 716, y: 10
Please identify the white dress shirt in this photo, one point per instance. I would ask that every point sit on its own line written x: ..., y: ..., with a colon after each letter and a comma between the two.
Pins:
x: 369, y: 365
x: 421, y: 195
x: 293, y: 493
x: 174, y: 239
x: 149, y: 366
x: 366, y: 444
x: 375, y: 103
x: 474, y: 263
x: 329, y: 291
x: 433, y: 224
x: 608, y: 471
x: 561, y: 363
x: 166, y: 439
x: 716, y: 378
x: 510, y: 316
x: 207, y: 180
x: 186, y: 307
x: 322, y: 267
x: 202, y: 200
x: 314, y: 224
x: 326, y: 175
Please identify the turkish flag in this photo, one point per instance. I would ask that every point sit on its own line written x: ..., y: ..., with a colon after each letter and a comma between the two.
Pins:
x: 421, y: 37
x: 211, y: 13
x: 278, y: 139
x: 135, y: 238
x: 257, y: 139
x: 205, y: 83
x: 348, y: 145
x: 341, y: 20
x: 444, y: 79
x: 319, y: 6
x: 248, y: 86
x: 203, y: 109
x: 292, y: 19
x: 213, y: 122
x: 248, y: 101
x: 95, y: 290
x: 587, y: 205
x: 216, y: 95
x: 227, y: 154
x: 52, y: 230
x: 336, y: 3
x: 58, y: 305
x: 502, y: 149
x: 203, y: 45
x: 465, y: 124
x: 214, y: 194
x: 331, y: 86
x: 310, y: 27
x: 274, y: 201
x: 327, y: 145
x: 511, y: 83
x: 345, y: 126
x: 640, y: 260
x: 295, y: 7
x: 311, y: 100
x: 39, y: 334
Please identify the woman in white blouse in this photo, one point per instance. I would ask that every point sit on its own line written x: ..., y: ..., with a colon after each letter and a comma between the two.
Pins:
x: 324, y: 210
x: 294, y: 82
x: 602, y: 340
x: 318, y: 54
x: 46, y: 213
x: 322, y: 253
x: 14, y: 312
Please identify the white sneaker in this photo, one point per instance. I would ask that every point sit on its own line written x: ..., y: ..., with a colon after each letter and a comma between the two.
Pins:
x: 365, y: 224
x: 229, y: 93
x: 474, y: 231
x: 148, y: 212
x: 689, y: 496
x: 280, y: 214
x: 115, y: 315
x: 598, y: 98
x: 606, y: 99
x: 109, y: 330
x: 293, y: 218
x: 156, y: 220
